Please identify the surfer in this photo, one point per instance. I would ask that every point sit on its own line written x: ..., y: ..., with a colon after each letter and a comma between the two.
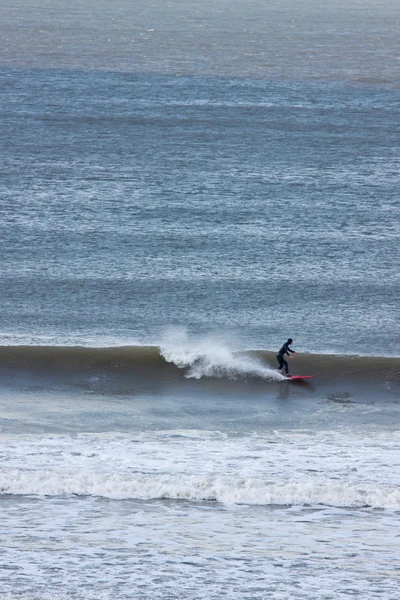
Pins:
x: 285, y: 350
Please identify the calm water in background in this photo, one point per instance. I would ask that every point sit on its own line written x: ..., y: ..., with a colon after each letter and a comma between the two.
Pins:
x: 188, y: 181
x: 131, y: 203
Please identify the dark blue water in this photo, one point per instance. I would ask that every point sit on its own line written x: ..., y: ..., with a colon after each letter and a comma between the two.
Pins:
x: 261, y: 209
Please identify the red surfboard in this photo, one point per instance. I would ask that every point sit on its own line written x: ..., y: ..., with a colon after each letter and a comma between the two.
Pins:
x: 300, y: 377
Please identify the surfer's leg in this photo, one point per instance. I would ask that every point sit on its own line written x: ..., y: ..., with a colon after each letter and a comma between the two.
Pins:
x: 280, y: 361
x: 286, y: 366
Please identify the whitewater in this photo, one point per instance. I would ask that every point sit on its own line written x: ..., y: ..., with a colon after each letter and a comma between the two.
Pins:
x: 103, y: 484
x: 284, y: 468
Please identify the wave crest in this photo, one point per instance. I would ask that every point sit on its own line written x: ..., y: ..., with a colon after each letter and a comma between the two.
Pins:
x: 209, y: 357
x: 180, y: 357
x: 227, y: 490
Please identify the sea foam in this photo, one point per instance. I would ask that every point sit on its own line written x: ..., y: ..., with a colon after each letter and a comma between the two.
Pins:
x: 208, y: 356
x: 227, y: 490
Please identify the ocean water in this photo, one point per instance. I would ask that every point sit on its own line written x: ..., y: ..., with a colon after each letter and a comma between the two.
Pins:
x: 183, y: 186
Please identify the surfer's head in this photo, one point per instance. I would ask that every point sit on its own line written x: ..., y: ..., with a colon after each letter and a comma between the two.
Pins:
x: 290, y: 341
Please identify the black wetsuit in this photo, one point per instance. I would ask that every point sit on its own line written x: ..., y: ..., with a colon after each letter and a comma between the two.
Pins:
x: 282, y: 362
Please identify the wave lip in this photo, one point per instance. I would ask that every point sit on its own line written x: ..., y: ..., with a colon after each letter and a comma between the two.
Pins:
x: 226, y: 490
x: 207, y: 356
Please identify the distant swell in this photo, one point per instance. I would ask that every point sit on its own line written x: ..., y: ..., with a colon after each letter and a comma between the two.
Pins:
x: 227, y: 490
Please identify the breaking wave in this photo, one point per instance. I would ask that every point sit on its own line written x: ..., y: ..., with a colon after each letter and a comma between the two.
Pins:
x: 179, y: 357
x: 226, y: 490
x: 209, y: 357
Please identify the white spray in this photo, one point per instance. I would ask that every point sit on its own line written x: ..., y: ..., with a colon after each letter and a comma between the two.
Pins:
x: 209, y: 356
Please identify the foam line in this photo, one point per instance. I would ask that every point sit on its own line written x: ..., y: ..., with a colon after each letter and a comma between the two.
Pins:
x: 227, y: 490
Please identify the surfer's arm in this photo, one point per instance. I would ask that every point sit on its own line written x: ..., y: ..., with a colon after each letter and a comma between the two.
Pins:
x: 290, y: 350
